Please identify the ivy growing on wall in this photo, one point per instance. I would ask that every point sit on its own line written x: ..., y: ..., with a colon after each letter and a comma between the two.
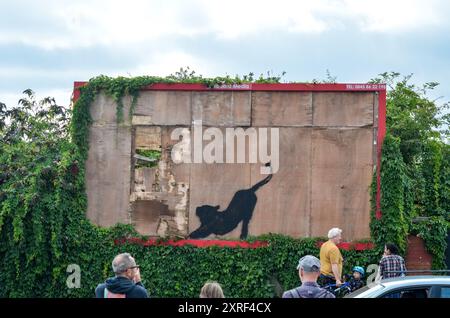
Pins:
x: 431, y: 171
x: 392, y: 226
x: 432, y: 231
x: 415, y: 167
x: 43, y: 227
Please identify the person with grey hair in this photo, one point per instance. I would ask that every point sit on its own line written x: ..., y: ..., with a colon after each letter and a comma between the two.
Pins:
x: 331, y: 259
x: 308, y: 271
x: 211, y: 289
x: 127, y: 282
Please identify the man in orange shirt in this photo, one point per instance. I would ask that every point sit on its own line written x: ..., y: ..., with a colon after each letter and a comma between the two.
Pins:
x: 331, y: 259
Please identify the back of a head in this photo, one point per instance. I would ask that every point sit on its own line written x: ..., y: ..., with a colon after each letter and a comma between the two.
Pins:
x: 309, y: 264
x: 334, y: 232
x: 392, y: 248
x: 211, y: 290
x: 309, y: 268
x: 121, y: 263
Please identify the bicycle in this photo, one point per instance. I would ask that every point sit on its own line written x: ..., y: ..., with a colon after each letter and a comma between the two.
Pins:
x: 339, y: 291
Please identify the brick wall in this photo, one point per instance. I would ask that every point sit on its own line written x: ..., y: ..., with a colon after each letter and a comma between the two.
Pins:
x: 417, y: 257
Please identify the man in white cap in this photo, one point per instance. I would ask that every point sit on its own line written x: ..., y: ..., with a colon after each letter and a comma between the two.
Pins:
x: 308, y: 271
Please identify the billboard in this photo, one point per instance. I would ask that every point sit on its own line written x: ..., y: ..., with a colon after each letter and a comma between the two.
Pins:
x: 237, y: 160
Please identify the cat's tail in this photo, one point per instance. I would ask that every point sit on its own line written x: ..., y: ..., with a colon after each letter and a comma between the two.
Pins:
x: 263, y: 181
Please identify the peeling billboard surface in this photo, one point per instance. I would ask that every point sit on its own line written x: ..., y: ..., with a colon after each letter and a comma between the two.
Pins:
x: 326, y: 160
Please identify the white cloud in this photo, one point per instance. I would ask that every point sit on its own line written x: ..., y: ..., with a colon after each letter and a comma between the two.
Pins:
x: 29, y: 73
x: 156, y: 64
x: 62, y: 97
x: 87, y: 23
x: 140, y: 37
x: 235, y: 18
x: 163, y: 64
x: 396, y: 16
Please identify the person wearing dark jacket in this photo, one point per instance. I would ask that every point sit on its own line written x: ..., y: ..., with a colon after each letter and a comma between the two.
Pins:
x: 308, y: 271
x: 127, y: 282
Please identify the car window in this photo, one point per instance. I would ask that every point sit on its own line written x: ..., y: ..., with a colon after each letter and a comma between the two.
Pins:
x: 357, y: 292
x: 364, y: 289
x: 445, y: 292
x: 408, y: 293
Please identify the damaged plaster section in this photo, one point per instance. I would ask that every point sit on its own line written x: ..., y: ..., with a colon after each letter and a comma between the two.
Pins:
x: 158, y: 201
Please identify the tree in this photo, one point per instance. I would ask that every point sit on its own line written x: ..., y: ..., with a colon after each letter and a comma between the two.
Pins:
x: 420, y: 126
x: 411, y: 115
x: 33, y: 140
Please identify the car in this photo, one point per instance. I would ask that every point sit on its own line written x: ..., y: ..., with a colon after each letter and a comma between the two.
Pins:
x: 406, y: 287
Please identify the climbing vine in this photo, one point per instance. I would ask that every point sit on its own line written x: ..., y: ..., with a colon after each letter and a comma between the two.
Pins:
x: 432, y: 231
x: 392, y: 226
x: 43, y: 201
x: 120, y: 87
x: 43, y: 227
x: 414, y: 169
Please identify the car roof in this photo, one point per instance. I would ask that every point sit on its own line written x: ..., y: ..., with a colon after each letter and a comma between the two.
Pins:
x: 388, y: 285
x: 415, y: 280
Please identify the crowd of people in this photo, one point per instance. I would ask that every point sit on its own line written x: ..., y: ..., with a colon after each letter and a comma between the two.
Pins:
x: 127, y: 282
x: 314, y: 274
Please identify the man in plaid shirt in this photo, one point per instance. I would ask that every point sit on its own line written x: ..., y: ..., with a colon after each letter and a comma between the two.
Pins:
x: 391, y: 262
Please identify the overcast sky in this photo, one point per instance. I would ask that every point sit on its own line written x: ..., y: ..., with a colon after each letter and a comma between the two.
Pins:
x: 47, y: 45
